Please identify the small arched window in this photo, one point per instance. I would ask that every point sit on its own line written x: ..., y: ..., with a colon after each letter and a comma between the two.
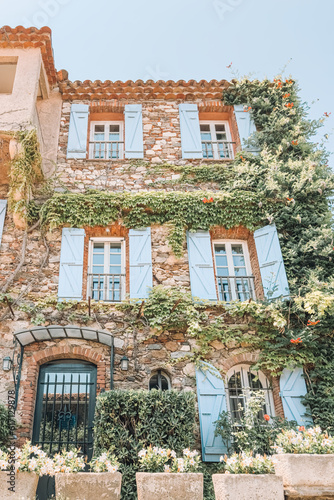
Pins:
x: 159, y: 381
x: 241, y: 384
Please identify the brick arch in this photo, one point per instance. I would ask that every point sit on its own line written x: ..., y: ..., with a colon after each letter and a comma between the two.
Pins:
x: 26, y: 406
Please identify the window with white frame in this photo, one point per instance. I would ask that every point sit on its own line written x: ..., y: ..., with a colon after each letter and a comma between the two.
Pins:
x: 106, y: 141
x: 216, y: 140
x: 233, y: 270
x: 241, y: 384
x: 106, y: 270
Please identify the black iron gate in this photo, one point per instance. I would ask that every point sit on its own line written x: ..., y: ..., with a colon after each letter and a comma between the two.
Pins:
x: 65, y: 407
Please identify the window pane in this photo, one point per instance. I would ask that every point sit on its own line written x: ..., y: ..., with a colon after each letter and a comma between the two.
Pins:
x: 115, y: 270
x: 221, y: 260
x: 115, y: 247
x: 98, y: 247
x: 114, y: 128
x: 240, y: 271
x: 204, y: 128
x: 99, y: 128
x: 98, y: 269
x: 237, y: 249
x: 98, y: 258
x: 239, y: 261
x: 220, y: 249
x: 220, y: 127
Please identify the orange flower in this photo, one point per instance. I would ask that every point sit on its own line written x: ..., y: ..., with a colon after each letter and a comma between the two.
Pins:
x: 301, y: 428
x: 290, y: 82
x: 279, y: 84
x: 243, y: 159
x: 247, y: 109
x: 211, y: 200
x: 289, y: 199
x: 296, y: 341
x: 289, y: 105
x: 313, y: 323
x: 286, y: 96
x: 205, y: 200
x: 294, y: 143
x: 266, y: 417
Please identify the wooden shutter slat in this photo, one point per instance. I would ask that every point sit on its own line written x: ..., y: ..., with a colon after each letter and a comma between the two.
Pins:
x: 134, y: 147
x: 140, y: 257
x: 190, y: 131
x: 78, y: 131
x: 71, y: 264
x: 292, y: 390
x: 202, y: 278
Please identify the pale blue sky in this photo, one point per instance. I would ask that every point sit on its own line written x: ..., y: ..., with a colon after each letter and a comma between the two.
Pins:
x: 191, y: 39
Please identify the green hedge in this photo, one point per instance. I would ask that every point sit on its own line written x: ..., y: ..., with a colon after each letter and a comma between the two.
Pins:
x: 7, y: 424
x: 127, y: 421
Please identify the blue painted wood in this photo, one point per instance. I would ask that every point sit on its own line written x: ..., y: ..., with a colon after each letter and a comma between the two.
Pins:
x: 140, y: 256
x: 134, y: 146
x: 274, y: 279
x: 202, y: 277
x: 292, y: 389
x: 77, y: 134
x: 190, y: 132
x: 3, y: 207
x: 211, y: 398
x: 246, y: 126
x: 71, y: 264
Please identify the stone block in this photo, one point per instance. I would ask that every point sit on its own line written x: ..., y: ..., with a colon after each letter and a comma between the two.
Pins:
x: 169, y: 486
x: 248, y: 487
x: 88, y: 485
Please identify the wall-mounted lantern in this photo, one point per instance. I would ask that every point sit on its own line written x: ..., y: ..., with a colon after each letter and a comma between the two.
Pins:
x: 6, y: 363
x: 124, y: 363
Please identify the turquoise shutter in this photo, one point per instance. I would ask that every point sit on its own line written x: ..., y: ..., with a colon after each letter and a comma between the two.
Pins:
x: 292, y: 389
x: 134, y: 147
x: 140, y: 263
x: 77, y: 134
x: 246, y: 126
x: 71, y: 264
x: 202, y: 277
x: 3, y: 206
x: 274, y: 279
x: 190, y: 131
x: 211, y: 398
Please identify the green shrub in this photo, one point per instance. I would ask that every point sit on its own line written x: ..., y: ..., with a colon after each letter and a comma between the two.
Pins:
x: 7, y: 424
x: 127, y: 421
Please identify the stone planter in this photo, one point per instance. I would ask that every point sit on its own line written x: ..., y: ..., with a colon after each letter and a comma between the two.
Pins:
x: 24, y: 484
x: 248, y: 487
x: 306, y: 475
x: 88, y: 485
x: 169, y: 486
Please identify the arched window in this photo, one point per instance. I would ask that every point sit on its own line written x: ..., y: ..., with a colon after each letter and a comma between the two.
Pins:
x: 159, y: 381
x: 241, y: 382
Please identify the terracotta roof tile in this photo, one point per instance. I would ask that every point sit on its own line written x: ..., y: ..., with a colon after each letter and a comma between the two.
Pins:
x: 21, y: 37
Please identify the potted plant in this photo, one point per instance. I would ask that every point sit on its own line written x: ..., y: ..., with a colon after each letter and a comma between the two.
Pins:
x: 20, y: 469
x: 166, y: 476
x: 248, y: 477
x: 305, y: 460
x: 103, y: 480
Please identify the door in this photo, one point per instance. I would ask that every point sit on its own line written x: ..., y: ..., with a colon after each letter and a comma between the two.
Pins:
x: 65, y: 406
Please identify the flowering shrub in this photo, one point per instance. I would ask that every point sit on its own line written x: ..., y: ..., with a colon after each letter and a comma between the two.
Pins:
x: 246, y: 463
x: 28, y: 459
x: 68, y: 461
x: 311, y: 440
x: 104, y: 463
x: 165, y: 460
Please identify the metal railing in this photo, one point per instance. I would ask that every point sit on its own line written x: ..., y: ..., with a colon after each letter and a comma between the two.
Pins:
x: 106, y: 150
x: 218, y: 150
x: 106, y: 287
x: 236, y: 288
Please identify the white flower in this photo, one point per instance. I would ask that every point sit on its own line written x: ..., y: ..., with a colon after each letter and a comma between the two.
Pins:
x: 142, y: 453
x: 167, y: 468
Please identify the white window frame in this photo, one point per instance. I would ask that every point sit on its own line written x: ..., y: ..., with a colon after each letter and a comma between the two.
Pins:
x: 106, y: 139
x: 107, y: 241
x: 243, y: 369
x: 228, y: 245
x: 215, y: 150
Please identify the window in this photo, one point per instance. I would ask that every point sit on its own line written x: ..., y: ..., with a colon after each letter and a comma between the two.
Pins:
x: 159, y: 381
x: 233, y: 271
x: 7, y: 77
x: 216, y: 140
x: 106, y: 141
x: 106, y: 271
x: 241, y: 382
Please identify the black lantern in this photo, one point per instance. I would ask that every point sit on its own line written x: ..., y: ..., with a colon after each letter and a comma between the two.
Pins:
x: 6, y: 363
x: 124, y: 364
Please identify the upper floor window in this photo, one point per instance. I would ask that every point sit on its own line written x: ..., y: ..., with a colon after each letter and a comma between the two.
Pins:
x: 106, y: 141
x: 106, y: 271
x: 159, y: 381
x: 233, y: 271
x: 216, y: 140
x: 241, y: 384
x: 7, y: 76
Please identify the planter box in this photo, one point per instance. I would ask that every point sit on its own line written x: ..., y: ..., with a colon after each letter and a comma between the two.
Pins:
x: 169, y: 486
x: 24, y: 484
x: 248, y: 487
x: 306, y: 475
x: 88, y: 485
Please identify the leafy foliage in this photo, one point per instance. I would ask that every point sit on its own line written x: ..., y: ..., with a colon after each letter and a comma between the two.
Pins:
x: 7, y: 425
x: 127, y: 421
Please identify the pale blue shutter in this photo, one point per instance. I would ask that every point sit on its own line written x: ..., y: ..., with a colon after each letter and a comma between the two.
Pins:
x: 140, y: 263
x: 134, y: 147
x: 246, y: 126
x: 292, y: 389
x: 3, y: 206
x: 190, y: 132
x: 202, y: 277
x: 77, y: 134
x: 211, y: 398
x: 71, y: 264
x: 274, y: 279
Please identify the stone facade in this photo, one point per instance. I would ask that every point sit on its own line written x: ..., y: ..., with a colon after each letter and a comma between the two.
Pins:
x: 38, y: 276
